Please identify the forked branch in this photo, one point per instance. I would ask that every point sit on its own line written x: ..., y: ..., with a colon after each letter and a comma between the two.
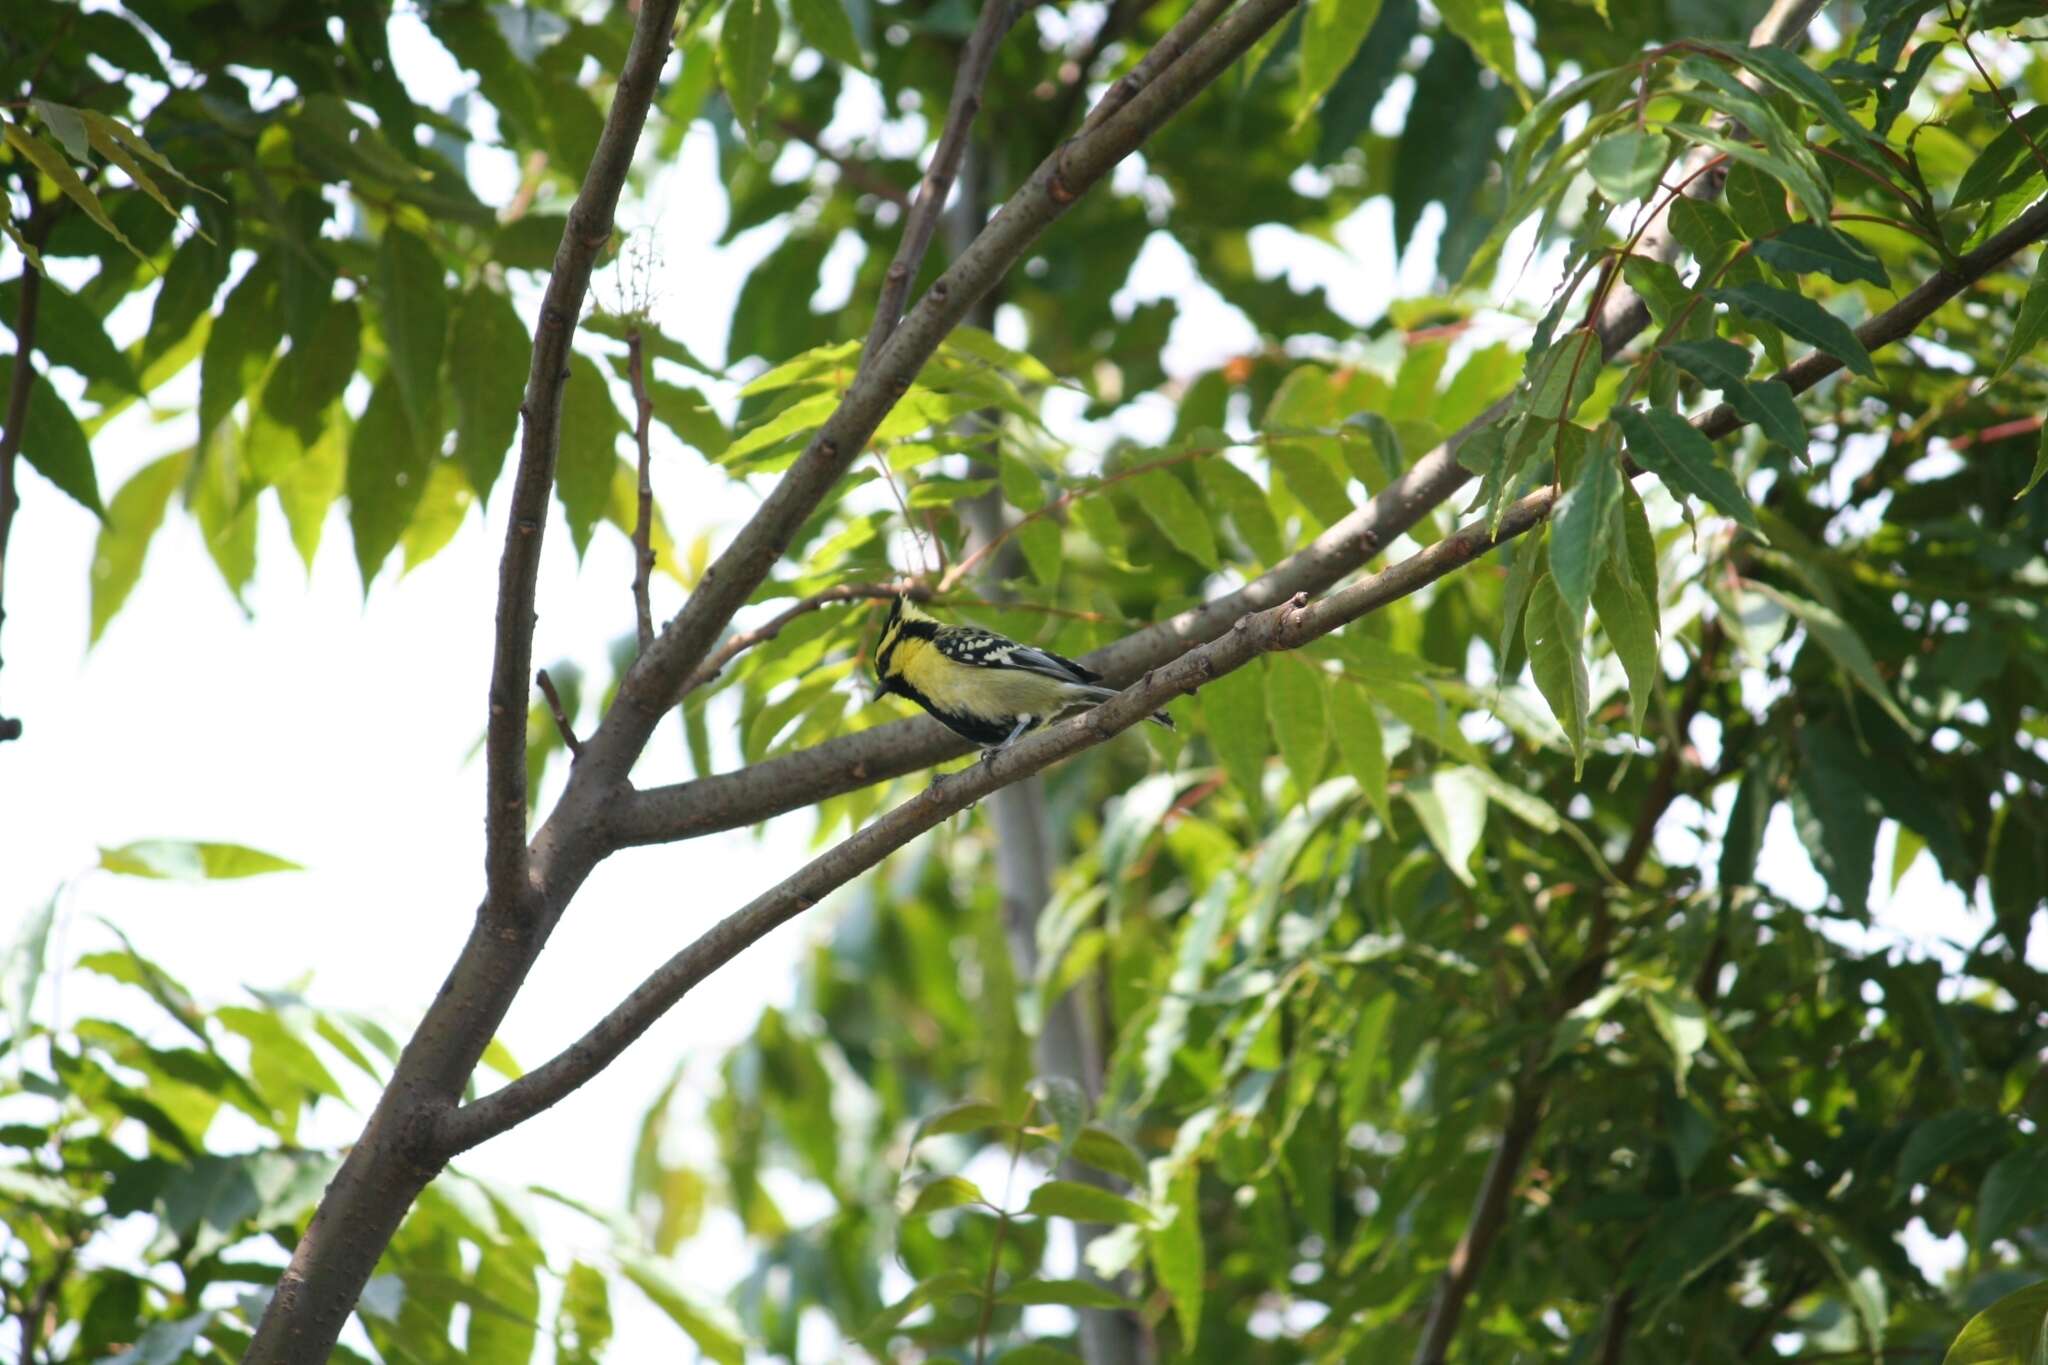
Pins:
x: 1288, y: 625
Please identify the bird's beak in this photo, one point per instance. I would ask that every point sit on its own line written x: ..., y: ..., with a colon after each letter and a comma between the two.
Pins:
x: 881, y: 691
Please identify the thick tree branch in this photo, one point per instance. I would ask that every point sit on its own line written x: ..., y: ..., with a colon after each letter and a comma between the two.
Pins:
x: 588, y: 232
x: 1288, y: 625
x: 650, y: 685
x: 922, y: 222
x: 394, y: 1159
x: 20, y: 384
x: 793, y: 781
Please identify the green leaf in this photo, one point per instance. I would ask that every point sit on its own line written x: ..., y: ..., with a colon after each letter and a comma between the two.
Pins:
x: 1626, y: 165
x: 1037, y: 1354
x: 1682, y: 1024
x: 1631, y: 626
x: 1842, y: 642
x: 241, y: 343
x: 2011, y: 1331
x: 1672, y: 448
x: 1022, y: 488
x: 1166, y: 500
x: 1237, y: 494
x: 70, y: 334
x: 1483, y: 24
x: 1557, y: 657
x: 825, y: 26
x: 591, y: 427
x: 1105, y: 1151
x: 189, y: 860
x: 1067, y: 1102
x: 51, y: 162
x: 689, y: 415
x: 1756, y: 202
x: 1806, y: 248
x: 710, y: 1327
x: 304, y: 386
x: 226, y: 514
x: 53, y: 443
x: 1721, y: 364
x: 967, y: 1117
x: 2031, y: 325
x: 1040, y: 541
x: 583, y: 1321
x: 1332, y: 32
x: 1361, y: 743
x: 1084, y: 1204
x: 1800, y: 317
x: 439, y: 514
x: 1069, y: 1293
x: 2014, y: 1194
x: 1714, y: 361
x: 1793, y: 76
x: 387, y: 475
x: 1176, y: 1248
x: 413, y: 294
x: 1985, y: 177
x: 1564, y: 375
x: 314, y: 481
x: 947, y: 1192
x: 493, y: 353
x: 1451, y: 806
x: 1581, y: 524
x: 1794, y: 172
x: 1295, y: 709
x: 1233, y: 714
x: 2040, y: 466
x: 123, y: 543
x: 747, y: 37
x: 1169, y: 1024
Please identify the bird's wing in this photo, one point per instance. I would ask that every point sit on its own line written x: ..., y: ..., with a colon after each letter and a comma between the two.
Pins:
x: 986, y: 649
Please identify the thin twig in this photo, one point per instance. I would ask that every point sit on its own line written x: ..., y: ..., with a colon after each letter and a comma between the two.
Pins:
x: 742, y: 641
x: 2012, y: 120
x: 922, y: 221
x: 20, y: 385
x: 855, y: 171
x: 555, y: 709
x: 643, y: 524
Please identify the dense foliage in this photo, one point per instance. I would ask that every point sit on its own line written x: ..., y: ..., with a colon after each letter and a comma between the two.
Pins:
x: 1449, y: 964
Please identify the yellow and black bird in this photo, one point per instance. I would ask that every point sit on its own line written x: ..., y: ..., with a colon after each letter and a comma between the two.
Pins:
x: 984, y: 687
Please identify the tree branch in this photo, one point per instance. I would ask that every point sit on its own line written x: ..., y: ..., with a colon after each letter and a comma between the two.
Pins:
x: 922, y: 221
x: 789, y: 782
x: 394, y: 1158
x: 20, y: 385
x: 852, y: 169
x: 562, y: 726
x: 739, y: 643
x: 650, y: 686
x: 643, y: 523
x: 588, y: 231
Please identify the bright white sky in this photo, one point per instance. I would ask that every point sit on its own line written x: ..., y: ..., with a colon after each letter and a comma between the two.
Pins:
x: 334, y: 732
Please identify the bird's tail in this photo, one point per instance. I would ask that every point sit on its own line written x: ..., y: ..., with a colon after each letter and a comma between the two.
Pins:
x: 1095, y: 696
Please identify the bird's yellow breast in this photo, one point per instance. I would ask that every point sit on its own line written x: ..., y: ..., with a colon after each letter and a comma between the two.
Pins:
x: 953, y: 686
